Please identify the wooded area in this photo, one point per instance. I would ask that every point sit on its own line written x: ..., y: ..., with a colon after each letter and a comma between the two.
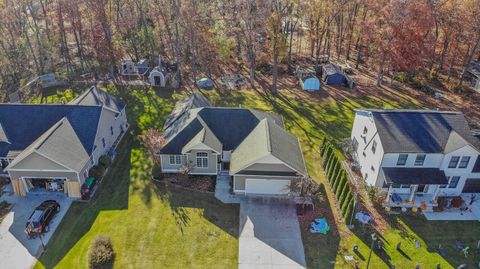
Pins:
x: 74, y: 37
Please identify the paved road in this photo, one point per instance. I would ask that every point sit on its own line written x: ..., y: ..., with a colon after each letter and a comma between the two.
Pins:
x: 269, y: 235
x: 16, y: 250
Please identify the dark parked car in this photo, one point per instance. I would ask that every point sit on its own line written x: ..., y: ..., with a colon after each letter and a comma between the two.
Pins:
x: 42, y: 215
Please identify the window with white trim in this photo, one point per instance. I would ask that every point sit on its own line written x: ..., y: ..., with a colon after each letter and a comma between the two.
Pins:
x: 111, y: 130
x: 453, y: 182
x: 402, y: 159
x: 464, y: 162
x: 103, y: 142
x: 454, y: 162
x: 175, y: 159
x: 420, y: 159
x: 202, y: 159
x: 374, y: 146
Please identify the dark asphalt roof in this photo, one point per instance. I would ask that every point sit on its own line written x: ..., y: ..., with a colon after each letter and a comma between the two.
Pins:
x: 23, y: 123
x: 194, y: 100
x: 414, y: 176
x: 230, y: 126
x: 415, y: 131
x: 97, y: 97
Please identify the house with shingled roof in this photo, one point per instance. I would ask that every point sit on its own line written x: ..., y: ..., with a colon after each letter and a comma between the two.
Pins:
x: 250, y: 145
x: 51, y: 147
x: 416, y: 156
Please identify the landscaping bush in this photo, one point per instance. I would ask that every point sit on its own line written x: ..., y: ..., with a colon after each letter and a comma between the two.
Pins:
x: 375, y: 195
x: 105, y: 161
x: 97, y: 171
x: 101, y: 254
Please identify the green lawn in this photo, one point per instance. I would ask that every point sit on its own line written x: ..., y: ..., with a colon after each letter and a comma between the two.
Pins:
x: 154, y: 227
x: 151, y: 226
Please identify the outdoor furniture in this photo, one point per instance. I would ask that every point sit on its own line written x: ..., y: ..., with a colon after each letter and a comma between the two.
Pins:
x: 396, y: 198
x: 363, y: 217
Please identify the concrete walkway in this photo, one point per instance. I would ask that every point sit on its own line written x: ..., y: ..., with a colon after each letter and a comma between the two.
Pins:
x: 16, y: 250
x: 222, y: 190
x: 269, y: 234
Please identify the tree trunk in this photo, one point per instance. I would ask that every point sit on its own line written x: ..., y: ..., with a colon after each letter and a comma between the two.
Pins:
x: 469, y: 60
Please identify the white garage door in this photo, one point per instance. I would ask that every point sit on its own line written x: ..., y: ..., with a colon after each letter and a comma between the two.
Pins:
x: 266, y: 186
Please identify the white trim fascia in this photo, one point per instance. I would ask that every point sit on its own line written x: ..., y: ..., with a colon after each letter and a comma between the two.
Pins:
x: 41, y: 170
x: 251, y: 175
x: 195, y: 173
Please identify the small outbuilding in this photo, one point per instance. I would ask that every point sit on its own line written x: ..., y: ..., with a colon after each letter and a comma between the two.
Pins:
x: 157, y: 78
x: 332, y: 75
x: 142, y: 67
x: 128, y: 68
x: 473, y: 75
x: 307, y: 79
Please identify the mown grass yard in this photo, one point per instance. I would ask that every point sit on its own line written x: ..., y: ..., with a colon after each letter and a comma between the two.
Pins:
x: 155, y: 227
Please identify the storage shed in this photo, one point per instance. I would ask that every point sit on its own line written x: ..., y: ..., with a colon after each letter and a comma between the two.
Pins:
x: 142, y: 67
x: 307, y: 79
x: 128, y: 68
x: 332, y: 75
x: 157, y: 78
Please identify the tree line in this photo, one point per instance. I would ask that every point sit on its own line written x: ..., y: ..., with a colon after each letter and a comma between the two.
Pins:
x: 73, y: 37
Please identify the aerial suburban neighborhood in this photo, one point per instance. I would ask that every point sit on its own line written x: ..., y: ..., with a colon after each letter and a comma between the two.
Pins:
x: 242, y: 134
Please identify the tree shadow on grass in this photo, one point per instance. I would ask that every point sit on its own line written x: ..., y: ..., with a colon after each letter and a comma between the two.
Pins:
x: 112, y: 194
x: 321, y: 250
x: 445, y: 234
x: 224, y: 216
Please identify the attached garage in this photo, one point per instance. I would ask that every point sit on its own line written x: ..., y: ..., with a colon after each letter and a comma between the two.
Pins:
x: 267, y: 186
x: 472, y: 185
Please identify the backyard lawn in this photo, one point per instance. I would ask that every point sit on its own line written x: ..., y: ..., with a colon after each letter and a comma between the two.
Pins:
x: 153, y: 226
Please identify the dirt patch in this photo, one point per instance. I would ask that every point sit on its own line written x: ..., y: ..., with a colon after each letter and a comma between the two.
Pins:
x: 194, y: 182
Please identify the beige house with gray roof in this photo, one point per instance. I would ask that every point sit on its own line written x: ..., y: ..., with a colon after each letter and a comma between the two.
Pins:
x: 52, y: 147
x: 251, y: 146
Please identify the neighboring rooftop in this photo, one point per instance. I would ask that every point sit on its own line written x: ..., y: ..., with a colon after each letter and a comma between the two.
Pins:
x: 96, y: 97
x: 22, y: 124
x: 422, y: 131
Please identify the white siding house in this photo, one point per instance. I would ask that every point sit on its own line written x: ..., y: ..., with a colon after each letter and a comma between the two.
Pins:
x: 416, y: 156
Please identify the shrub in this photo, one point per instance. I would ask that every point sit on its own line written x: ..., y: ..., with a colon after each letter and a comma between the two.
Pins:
x: 105, y: 161
x: 375, y: 195
x: 101, y: 254
x: 97, y: 172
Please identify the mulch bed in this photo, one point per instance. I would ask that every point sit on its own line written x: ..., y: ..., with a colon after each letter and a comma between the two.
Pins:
x: 194, y: 182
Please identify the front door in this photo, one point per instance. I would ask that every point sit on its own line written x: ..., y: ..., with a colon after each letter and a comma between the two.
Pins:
x: 422, y: 188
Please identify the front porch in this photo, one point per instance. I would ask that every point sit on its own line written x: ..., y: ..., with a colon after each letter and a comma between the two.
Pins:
x: 419, y: 197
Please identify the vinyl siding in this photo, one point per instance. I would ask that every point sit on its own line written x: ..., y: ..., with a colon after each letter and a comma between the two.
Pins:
x: 212, y: 162
x: 36, y: 161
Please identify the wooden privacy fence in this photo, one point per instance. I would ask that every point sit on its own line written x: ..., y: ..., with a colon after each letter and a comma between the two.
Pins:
x: 338, y: 178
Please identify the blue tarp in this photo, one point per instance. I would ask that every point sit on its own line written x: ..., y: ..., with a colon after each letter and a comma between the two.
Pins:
x: 319, y: 225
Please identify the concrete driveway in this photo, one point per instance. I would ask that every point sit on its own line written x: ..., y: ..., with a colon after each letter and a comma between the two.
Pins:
x: 270, y: 235
x: 16, y: 250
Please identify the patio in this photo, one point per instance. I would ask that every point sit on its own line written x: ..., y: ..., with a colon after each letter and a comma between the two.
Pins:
x: 471, y: 212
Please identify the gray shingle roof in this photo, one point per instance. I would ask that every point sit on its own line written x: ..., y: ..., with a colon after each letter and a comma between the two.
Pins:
x: 23, y: 123
x: 194, y: 100
x: 96, y: 97
x: 268, y: 138
x: 230, y: 126
x: 417, y: 131
x: 414, y: 176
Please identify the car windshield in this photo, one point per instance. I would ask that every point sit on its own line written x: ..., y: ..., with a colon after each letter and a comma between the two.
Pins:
x: 36, y: 218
